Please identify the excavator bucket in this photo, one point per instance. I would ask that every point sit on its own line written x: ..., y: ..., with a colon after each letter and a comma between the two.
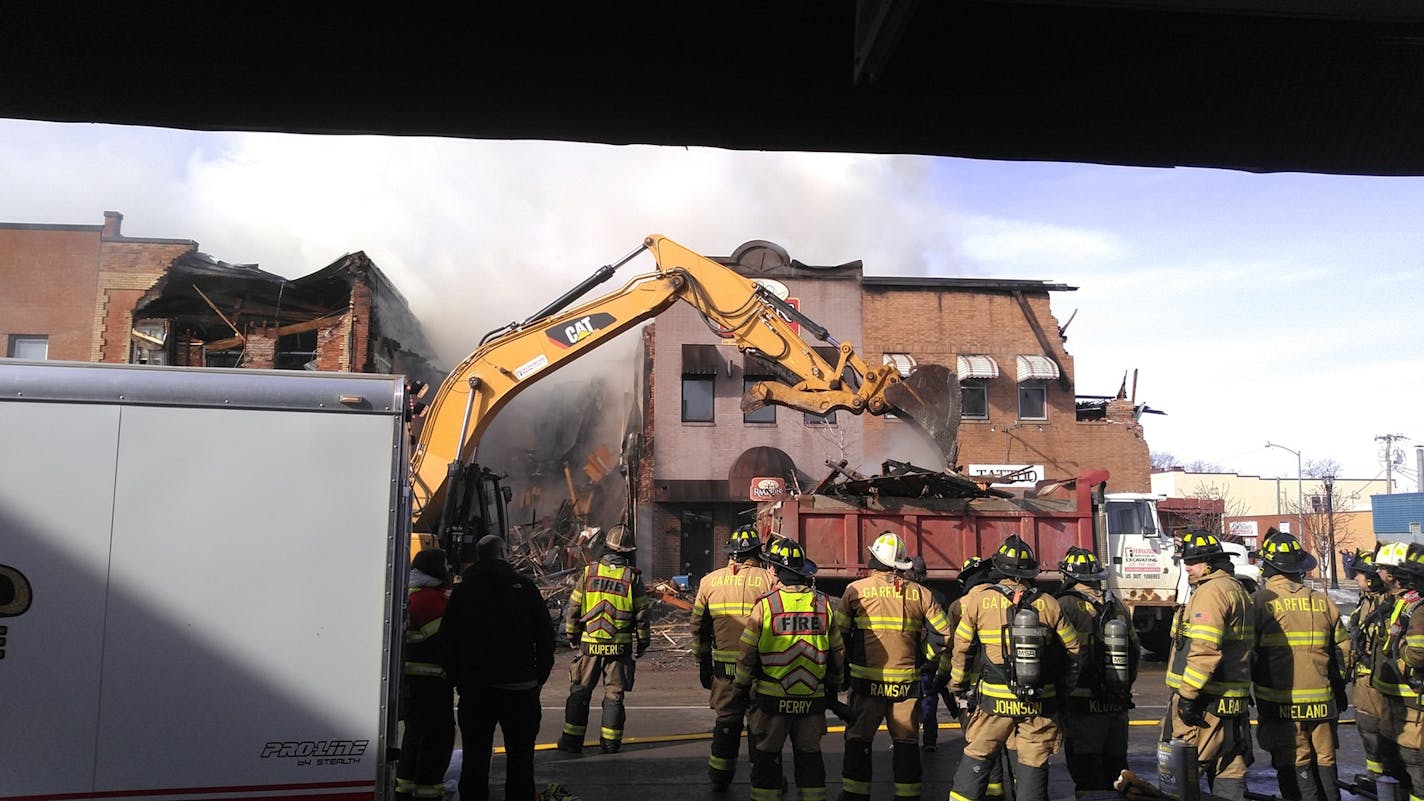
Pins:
x: 930, y: 399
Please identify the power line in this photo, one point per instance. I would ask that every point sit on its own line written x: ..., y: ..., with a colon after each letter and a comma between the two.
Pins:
x: 1389, y: 440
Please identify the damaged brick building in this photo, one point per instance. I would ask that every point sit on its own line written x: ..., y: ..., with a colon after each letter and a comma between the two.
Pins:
x: 90, y: 293
x: 1021, y: 410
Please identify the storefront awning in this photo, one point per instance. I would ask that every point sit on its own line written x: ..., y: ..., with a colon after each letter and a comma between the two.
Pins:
x: 1037, y: 368
x: 701, y: 360
x: 977, y: 367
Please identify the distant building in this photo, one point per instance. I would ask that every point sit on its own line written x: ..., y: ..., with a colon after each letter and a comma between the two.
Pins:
x: 701, y: 453
x: 89, y: 293
x: 1399, y: 517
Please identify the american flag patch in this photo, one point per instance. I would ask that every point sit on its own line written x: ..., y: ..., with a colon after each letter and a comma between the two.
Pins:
x: 1201, y: 616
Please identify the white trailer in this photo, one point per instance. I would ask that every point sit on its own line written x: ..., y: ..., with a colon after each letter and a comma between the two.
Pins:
x: 202, y: 575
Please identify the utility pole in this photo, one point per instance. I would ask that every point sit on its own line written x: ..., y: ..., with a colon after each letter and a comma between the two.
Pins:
x: 1329, y: 482
x: 1388, y: 440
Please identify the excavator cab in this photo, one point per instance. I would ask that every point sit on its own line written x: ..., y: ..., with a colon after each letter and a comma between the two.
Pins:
x: 477, y: 505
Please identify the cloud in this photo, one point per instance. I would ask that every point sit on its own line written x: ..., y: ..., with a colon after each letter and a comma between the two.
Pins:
x: 1020, y: 244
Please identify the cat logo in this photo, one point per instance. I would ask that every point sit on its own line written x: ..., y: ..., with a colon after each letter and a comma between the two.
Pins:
x: 572, y: 333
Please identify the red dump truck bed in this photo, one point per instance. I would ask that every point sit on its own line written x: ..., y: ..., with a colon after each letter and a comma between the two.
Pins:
x: 836, y: 532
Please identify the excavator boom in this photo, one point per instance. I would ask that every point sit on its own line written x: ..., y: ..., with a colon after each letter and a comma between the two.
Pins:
x: 509, y: 359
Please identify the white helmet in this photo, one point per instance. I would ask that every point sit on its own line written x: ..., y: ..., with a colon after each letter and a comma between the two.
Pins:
x: 889, y: 550
x: 1391, y: 554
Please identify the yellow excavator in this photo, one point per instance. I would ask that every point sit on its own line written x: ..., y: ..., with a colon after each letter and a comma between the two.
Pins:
x: 455, y: 501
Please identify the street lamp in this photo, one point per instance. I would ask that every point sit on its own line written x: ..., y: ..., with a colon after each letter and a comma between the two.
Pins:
x: 1299, y: 489
x: 1329, y: 482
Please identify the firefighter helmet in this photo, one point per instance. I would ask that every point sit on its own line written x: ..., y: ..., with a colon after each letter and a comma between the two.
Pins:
x: 1201, y: 546
x: 619, y: 539
x: 744, y: 540
x: 1361, y: 561
x: 1391, y: 555
x: 787, y: 554
x: 973, y: 568
x: 889, y: 550
x: 1413, y: 563
x: 1015, y: 559
x: 1285, y: 553
x: 431, y: 562
x: 1082, y: 564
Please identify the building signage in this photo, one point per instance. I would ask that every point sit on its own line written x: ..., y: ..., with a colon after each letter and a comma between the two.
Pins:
x: 767, y: 489
x: 1032, y: 473
x: 1245, y: 530
x: 1140, y: 563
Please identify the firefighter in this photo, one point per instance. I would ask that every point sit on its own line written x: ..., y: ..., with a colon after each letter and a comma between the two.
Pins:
x: 1095, y: 711
x: 974, y: 572
x: 719, y: 615
x: 1398, y: 658
x: 1210, y: 667
x: 428, y: 696
x: 607, y: 610
x: 1016, y: 627
x: 791, y: 654
x: 885, y: 618
x: 1298, y: 672
x: 1365, y: 626
x: 925, y: 657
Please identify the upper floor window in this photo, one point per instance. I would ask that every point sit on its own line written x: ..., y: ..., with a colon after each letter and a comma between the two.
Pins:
x: 34, y: 347
x: 700, y: 365
x: 766, y: 414
x: 974, y: 396
x: 149, y: 342
x: 1033, y: 401
x: 812, y: 419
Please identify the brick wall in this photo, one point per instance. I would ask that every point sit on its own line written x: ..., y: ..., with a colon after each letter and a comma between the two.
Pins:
x: 50, y: 278
x: 260, y: 352
x: 127, y: 269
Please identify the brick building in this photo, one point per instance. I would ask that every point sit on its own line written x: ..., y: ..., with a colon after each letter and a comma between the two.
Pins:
x: 1020, y: 407
x: 89, y: 293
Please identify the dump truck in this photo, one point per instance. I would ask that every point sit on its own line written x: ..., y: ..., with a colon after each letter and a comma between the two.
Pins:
x: 202, y: 575
x: 947, y: 518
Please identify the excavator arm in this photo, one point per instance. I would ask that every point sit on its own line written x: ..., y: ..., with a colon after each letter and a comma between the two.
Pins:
x: 513, y: 357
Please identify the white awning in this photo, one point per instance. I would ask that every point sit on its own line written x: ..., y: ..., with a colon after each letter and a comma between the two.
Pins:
x: 903, y: 363
x: 1037, y: 368
x: 977, y: 367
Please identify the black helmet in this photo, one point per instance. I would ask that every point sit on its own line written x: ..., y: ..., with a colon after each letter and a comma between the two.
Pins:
x: 1413, y: 563
x: 619, y: 539
x: 1284, y: 553
x: 431, y: 562
x: 1201, y: 546
x: 1082, y: 564
x: 745, y: 540
x: 974, y: 567
x: 1015, y: 559
x: 786, y: 554
x: 1361, y: 561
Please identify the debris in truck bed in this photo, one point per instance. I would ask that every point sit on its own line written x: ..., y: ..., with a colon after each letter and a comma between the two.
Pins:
x: 905, y: 480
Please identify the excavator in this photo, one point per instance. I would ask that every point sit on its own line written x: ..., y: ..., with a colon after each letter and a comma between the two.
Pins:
x: 455, y: 501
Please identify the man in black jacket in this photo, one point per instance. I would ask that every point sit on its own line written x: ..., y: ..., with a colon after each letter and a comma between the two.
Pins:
x: 499, y: 651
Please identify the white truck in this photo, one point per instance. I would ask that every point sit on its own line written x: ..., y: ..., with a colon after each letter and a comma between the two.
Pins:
x: 1145, y: 572
x: 202, y: 575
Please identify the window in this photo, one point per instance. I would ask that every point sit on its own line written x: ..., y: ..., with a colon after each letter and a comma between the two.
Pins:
x: 149, y: 342
x: 975, y: 399
x: 1033, y: 401
x: 766, y: 414
x: 28, y: 346
x: 903, y: 363
x: 813, y: 419
x: 700, y: 365
x: 697, y: 399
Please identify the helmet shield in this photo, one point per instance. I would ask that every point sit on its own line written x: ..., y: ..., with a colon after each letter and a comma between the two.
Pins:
x: 1014, y: 558
x: 1285, y: 553
x: 787, y: 554
x: 1083, y: 565
x: 744, y: 540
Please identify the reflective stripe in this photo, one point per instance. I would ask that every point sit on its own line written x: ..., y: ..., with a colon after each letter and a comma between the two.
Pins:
x: 895, y: 675
x: 878, y: 623
x: 1294, y: 696
x: 429, y: 791
x: 721, y: 763
x: 857, y: 786
x: 811, y: 793
x: 605, y: 733
x: 766, y: 794
x: 953, y: 796
x: 907, y: 790
x: 1299, y: 639
x: 424, y: 669
x: 406, y: 786
x: 1374, y: 767
x: 574, y: 731
x: 423, y: 633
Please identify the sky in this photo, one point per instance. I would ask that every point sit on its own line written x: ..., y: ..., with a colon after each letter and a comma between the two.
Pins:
x: 1251, y: 308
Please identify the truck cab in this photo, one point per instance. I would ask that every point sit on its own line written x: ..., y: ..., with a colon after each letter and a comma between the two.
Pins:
x: 1145, y: 575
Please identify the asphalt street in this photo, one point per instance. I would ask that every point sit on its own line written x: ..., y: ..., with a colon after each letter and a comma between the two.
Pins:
x: 665, y: 754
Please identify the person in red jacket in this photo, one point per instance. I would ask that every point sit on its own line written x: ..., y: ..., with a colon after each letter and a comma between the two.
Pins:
x: 426, y: 697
